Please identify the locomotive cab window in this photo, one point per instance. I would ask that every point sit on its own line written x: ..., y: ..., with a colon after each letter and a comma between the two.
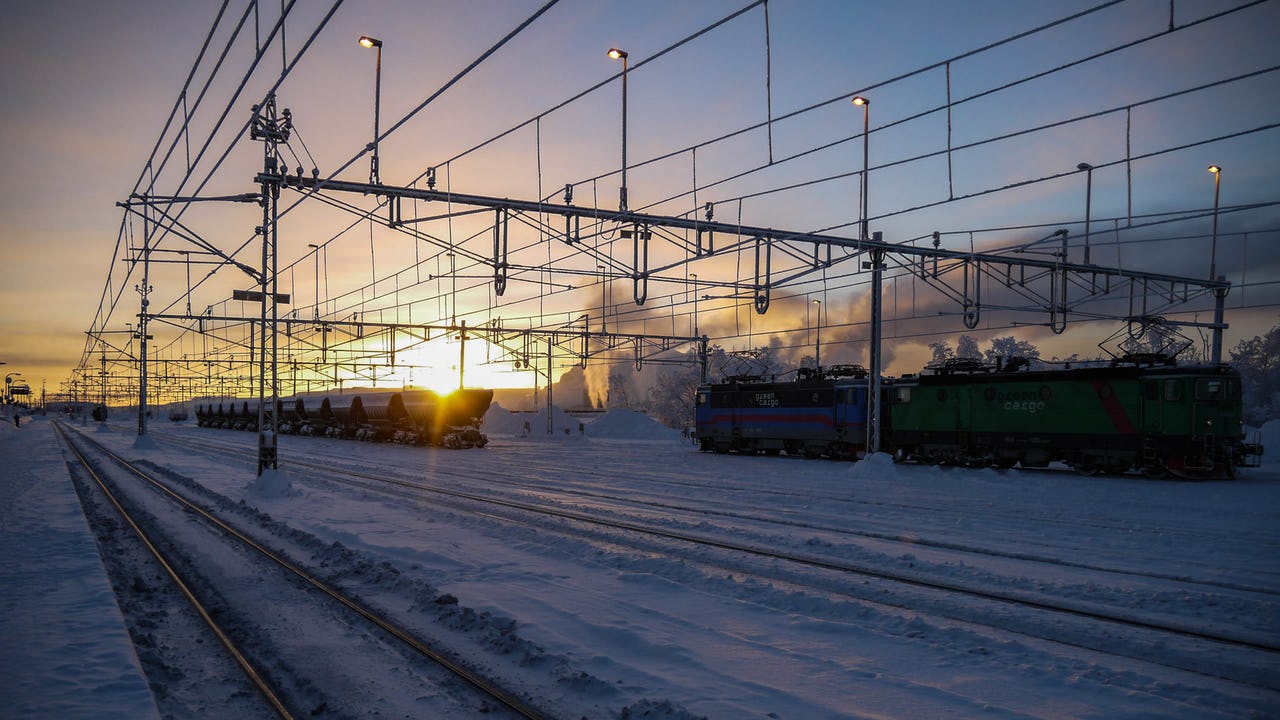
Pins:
x: 702, y: 398
x: 902, y: 395
x: 1209, y: 389
x: 1173, y: 390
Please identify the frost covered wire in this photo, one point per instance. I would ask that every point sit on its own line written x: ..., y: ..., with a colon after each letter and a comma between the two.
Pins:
x: 947, y: 107
x: 843, y: 97
x: 105, y: 309
x: 602, y: 83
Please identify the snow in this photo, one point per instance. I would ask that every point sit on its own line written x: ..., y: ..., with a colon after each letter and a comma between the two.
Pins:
x: 64, y: 650
x: 642, y: 623
x: 629, y: 424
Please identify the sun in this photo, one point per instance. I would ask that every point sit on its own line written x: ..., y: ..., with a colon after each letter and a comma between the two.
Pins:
x: 434, y: 365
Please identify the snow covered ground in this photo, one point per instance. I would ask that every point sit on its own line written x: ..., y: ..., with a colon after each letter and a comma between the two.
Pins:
x: 669, y: 630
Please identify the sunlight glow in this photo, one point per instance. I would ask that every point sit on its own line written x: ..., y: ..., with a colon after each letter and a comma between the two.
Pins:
x: 434, y: 365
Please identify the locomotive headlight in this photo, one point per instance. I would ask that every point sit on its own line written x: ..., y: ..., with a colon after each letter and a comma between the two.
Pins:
x: 1208, y: 423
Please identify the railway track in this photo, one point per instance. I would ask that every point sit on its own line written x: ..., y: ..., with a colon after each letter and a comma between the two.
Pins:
x: 277, y: 679
x: 1151, y: 637
x: 912, y: 542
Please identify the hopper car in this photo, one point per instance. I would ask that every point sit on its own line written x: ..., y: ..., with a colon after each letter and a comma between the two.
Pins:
x: 410, y: 417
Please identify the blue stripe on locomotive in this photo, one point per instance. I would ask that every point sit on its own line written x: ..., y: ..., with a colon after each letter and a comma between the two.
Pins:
x: 740, y: 416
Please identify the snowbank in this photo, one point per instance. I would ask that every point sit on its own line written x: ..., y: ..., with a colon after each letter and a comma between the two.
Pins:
x: 630, y: 425
x: 271, y: 485
x: 616, y: 424
x: 876, y: 465
x: 500, y: 421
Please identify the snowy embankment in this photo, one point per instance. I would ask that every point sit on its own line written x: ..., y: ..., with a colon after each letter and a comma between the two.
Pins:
x: 65, y: 652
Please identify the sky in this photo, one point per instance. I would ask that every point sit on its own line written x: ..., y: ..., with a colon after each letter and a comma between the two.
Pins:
x: 91, y: 85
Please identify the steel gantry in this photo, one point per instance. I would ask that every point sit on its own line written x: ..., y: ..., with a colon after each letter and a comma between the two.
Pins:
x: 1040, y: 272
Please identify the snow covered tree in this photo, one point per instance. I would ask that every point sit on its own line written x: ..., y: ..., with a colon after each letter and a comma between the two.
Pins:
x: 671, y: 398
x: 967, y: 347
x: 619, y: 393
x: 1008, y: 346
x: 942, y: 352
x: 1258, y: 361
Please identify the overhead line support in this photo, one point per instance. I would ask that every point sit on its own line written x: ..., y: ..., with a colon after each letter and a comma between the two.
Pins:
x: 707, y: 225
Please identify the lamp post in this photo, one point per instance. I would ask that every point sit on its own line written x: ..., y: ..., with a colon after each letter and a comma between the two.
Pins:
x: 694, y: 278
x: 604, y: 299
x: 8, y: 395
x: 817, y: 347
x: 865, y: 104
x: 617, y: 54
x: 1213, y: 243
x: 1088, y: 201
x: 1219, y: 294
x: 376, y: 44
x: 877, y: 267
x: 315, y: 313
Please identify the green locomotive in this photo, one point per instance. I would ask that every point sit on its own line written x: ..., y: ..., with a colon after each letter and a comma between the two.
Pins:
x: 1135, y: 414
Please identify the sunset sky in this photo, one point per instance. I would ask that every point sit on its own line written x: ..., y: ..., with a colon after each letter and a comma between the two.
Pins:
x: 89, y: 86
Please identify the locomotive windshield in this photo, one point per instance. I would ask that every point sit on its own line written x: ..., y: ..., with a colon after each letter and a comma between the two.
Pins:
x: 1210, y: 389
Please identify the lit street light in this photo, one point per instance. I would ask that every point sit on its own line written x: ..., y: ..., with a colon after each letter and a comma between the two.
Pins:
x: 368, y: 42
x: 865, y: 104
x: 1213, y: 244
x: 617, y: 54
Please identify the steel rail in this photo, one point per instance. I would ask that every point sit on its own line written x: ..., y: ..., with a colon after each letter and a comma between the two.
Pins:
x: 372, y: 481
x: 476, y: 680
x: 249, y: 670
x: 822, y: 563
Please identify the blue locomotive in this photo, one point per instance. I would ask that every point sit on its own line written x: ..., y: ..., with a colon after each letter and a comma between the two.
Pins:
x: 819, y: 414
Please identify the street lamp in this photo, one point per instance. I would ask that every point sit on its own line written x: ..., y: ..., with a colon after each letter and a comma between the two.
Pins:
x: 694, y: 277
x: 865, y: 104
x: 315, y: 313
x: 8, y: 397
x: 604, y: 298
x: 1213, y: 244
x: 368, y: 42
x: 617, y: 54
x: 1088, y: 200
x: 817, y: 352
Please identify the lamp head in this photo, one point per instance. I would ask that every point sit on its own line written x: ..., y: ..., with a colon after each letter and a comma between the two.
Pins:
x: 368, y: 42
x: 617, y: 54
x: 1084, y: 166
x: 1215, y: 169
x: 859, y: 100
